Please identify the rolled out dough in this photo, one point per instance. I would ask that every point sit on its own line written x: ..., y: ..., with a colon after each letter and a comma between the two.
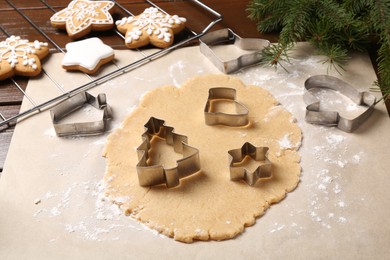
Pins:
x: 207, y: 205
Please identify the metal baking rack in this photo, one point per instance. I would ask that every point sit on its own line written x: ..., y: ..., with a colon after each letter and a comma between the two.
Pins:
x: 6, y: 122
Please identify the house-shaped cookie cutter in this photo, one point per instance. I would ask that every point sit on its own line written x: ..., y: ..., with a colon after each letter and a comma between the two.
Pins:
x: 240, y: 172
x: 74, y: 103
x: 224, y: 36
x: 315, y: 115
x: 150, y: 175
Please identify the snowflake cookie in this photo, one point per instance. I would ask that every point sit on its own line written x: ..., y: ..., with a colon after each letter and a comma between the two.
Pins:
x: 21, y: 57
x: 82, y: 16
x: 152, y: 26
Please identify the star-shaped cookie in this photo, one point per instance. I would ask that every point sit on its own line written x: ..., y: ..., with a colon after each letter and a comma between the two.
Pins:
x: 21, y: 57
x: 82, y: 16
x: 152, y: 26
x: 87, y: 55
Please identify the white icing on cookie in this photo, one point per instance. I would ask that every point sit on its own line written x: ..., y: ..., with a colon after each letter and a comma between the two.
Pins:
x: 80, y: 14
x: 86, y: 53
x: 14, y: 48
x: 151, y: 21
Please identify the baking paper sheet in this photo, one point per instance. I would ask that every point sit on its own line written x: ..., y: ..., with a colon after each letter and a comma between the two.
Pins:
x: 52, y: 202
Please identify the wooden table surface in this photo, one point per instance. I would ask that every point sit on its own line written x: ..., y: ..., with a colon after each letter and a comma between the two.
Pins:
x: 18, y: 17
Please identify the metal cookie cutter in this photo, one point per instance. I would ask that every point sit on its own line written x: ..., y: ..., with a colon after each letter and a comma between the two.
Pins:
x: 69, y: 105
x: 228, y: 36
x: 315, y: 115
x: 240, y: 172
x: 240, y: 118
x: 149, y: 175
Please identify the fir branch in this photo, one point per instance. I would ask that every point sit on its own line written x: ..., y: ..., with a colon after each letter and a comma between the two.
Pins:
x: 295, y: 21
x: 336, y: 57
x: 276, y: 54
x: 331, y: 11
x: 270, y: 12
x: 381, y: 11
x: 356, y: 36
x: 356, y: 6
x: 333, y: 26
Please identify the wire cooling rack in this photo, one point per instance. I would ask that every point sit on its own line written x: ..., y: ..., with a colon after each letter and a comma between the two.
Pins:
x: 191, y: 36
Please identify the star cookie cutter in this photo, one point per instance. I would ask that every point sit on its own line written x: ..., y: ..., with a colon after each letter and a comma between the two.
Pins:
x: 242, y: 173
x: 74, y: 103
x: 228, y: 36
x: 240, y: 118
x: 315, y: 115
x: 150, y: 175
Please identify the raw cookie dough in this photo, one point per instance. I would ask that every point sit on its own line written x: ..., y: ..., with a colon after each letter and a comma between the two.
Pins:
x: 207, y: 205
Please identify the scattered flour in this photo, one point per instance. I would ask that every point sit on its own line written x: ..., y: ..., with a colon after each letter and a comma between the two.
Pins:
x: 179, y: 72
x: 285, y: 142
x: 277, y: 227
x: 50, y: 132
x: 326, y: 203
x: 97, y: 222
x: 329, y: 156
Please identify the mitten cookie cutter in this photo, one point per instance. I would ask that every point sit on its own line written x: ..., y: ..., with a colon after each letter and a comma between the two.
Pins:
x: 72, y: 104
x: 228, y: 36
x: 240, y: 118
x: 315, y: 115
x: 150, y: 175
x: 242, y: 173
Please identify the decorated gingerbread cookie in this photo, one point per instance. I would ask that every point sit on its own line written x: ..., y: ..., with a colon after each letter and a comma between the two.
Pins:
x: 87, y: 55
x: 21, y: 57
x: 152, y: 26
x: 82, y: 16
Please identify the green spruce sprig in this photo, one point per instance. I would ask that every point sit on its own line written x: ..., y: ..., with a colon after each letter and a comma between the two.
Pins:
x: 334, y: 27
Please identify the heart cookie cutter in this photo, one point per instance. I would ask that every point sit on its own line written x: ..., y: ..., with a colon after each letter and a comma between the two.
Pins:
x: 242, y: 173
x: 315, y: 115
x: 72, y: 104
x: 240, y: 118
x: 150, y: 175
x: 224, y: 36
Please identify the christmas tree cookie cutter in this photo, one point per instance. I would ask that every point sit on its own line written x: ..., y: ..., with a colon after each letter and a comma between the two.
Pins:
x: 315, y: 115
x: 150, y: 175
x: 263, y: 171
x: 240, y: 118
x: 224, y: 36
x: 74, y: 103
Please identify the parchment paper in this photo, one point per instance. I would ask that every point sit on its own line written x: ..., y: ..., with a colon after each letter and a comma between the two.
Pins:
x: 52, y: 201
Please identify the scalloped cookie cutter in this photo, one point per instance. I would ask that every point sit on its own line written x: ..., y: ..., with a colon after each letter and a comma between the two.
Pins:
x: 242, y: 173
x: 72, y: 104
x: 150, y: 175
x: 315, y: 115
x: 240, y: 118
x: 228, y: 36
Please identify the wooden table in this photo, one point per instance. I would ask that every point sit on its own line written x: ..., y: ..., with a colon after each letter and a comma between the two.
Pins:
x: 18, y: 17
